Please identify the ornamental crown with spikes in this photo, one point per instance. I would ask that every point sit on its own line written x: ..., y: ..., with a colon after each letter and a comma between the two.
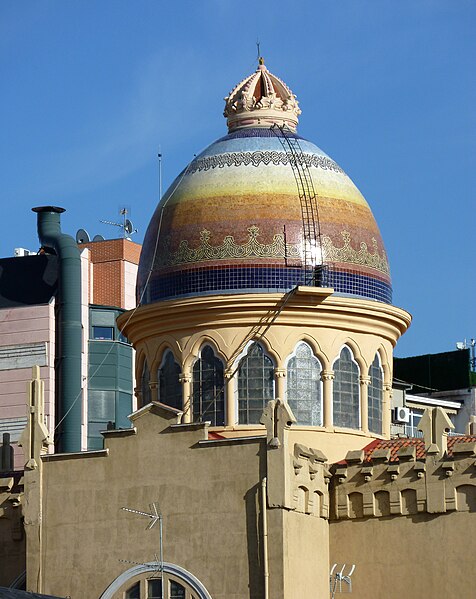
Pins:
x: 261, y: 100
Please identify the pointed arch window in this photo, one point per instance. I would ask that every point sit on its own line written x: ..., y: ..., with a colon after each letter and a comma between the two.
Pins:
x: 146, y: 396
x: 375, y: 396
x: 255, y: 384
x: 304, y: 386
x: 208, y: 401
x: 170, y: 388
x: 346, y: 392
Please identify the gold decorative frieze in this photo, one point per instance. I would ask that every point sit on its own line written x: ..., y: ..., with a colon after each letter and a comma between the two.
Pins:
x: 347, y: 253
x: 229, y: 249
x: 277, y: 249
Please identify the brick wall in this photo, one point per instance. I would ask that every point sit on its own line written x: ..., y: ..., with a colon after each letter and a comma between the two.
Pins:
x: 109, y: 259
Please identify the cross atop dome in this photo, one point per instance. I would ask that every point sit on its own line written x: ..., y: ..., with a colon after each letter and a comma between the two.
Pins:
x: 261, y: 100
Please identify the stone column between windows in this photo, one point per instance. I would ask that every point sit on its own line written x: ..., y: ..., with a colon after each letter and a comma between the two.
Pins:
x: 154, y: 390
x: 364, y: 403
x: 327, y: 376
x: 386, y: 409
x: 280, y: 382
x: 230, y: 403
x: 186, y: 380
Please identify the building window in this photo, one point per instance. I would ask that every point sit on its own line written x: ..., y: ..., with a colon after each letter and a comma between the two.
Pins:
x: 133, y: 592
x: 103, y: 333
x: 346, y: 393
x: 304, y: 386
x: 144, y: 385
x: 170, y: 388
x: 375, y: 396
x: 208, y: 401
x: 255, y: 384
x: 152, y: 589
x: 411, y: 429
x: 177, y: 591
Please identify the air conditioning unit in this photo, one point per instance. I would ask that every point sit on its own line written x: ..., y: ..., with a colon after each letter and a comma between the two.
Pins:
x: 19, y: 252
x: 401, y: 415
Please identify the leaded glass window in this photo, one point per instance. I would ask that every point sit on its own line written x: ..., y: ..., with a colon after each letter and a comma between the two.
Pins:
x: 304, y: 386
x: 208, y: 401
x: 170, y: 388
x: 177, y: 591
x: 144, y: 385
x: 154, y: 588
x: 255, y: 384
x: 346, y: 393
x: 151, y: 588
x: 375, y: 396
x: 133, y: 592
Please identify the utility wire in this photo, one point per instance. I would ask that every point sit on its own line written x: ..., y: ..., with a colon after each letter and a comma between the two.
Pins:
x: 139, y: 303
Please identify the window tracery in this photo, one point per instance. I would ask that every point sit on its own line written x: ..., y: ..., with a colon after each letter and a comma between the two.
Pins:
x: 346, y: 391
x: 170, y: 388
x: 375, y: 396
x: 255, y: 384
x: 304, y: 386
x: 208, y: 394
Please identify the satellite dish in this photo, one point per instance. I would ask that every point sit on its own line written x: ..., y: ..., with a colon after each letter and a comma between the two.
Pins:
x: 82, y: 236
x: 98, y: 238
x: 128, y: 226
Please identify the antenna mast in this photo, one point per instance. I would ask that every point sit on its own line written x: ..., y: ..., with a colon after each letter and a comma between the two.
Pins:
x: 155, y: 515
x: 126, y: 225
x: 159, y: 156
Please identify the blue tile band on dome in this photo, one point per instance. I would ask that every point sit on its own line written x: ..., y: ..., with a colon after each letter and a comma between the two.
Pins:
x: 203, y: 281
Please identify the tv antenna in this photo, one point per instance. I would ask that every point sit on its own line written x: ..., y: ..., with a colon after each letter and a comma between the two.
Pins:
x: 126, y: 225
x: 155, y: 517
x: 340, y: 582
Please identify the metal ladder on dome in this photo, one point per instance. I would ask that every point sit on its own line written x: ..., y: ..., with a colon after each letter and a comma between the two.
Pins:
x: 314, y: 268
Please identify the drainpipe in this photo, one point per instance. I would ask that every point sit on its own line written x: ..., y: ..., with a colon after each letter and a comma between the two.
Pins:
x: 265, y: 538
x: 69, y: 349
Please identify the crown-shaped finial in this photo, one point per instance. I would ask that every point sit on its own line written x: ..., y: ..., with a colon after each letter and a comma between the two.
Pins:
x: 261, y: 100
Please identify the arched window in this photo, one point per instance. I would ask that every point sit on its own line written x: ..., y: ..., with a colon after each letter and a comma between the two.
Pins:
x: 255, y: 385
x: 304, y: 386
x: 151, y: 588
x: 208, y: 402
x: 144, y: 385
x: 144, y: 581
x: 375, y: 396
x: 170, y: 388
x: 346, y: 394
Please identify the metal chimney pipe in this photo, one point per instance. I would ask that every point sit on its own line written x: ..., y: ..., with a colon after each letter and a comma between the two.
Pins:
x: 69, y: 341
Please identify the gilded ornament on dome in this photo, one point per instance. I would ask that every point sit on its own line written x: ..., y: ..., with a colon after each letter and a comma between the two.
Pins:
x: 229, y: 249
x: 277, y: 249
x: 347, y: 253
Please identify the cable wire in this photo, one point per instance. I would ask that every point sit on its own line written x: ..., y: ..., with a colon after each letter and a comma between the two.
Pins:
x: 139, y: 303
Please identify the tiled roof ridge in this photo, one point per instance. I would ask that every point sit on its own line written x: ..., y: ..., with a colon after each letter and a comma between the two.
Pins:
x: 418, y: 442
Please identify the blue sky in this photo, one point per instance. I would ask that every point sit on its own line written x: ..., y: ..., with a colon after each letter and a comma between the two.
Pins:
x: 91, y: 90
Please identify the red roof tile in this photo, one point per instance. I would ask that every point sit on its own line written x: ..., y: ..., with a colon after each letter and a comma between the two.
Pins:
x: 395, y: 444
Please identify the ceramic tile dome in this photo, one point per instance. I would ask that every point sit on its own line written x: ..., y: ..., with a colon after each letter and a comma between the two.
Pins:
x: 232, y: 221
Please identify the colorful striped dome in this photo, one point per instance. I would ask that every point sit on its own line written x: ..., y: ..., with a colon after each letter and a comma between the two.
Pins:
x: 232, y: 221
